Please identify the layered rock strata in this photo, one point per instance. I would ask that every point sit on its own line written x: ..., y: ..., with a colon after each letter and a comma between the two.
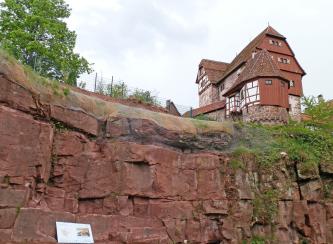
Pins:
x: 140, y: 177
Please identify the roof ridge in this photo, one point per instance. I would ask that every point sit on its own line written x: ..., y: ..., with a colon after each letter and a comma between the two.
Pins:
x: 243, y: 56
x: 235, y: 62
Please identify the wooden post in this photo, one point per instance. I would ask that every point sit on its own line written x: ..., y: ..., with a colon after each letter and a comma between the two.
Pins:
x: 95, y: 82
x: 191, y: 115
x: 111, y: 86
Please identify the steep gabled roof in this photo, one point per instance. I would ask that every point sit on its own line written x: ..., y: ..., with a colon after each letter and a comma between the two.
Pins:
x: 214, y: 69
x: 246, y: 53
x: 261, y: 65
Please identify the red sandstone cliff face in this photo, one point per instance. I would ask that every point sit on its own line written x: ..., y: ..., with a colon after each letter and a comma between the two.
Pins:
x: 138, y: 177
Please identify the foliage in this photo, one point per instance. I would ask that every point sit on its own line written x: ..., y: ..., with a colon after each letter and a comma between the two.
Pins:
x: 117, y: 90
x: 239, y: 157
x: 35, y: 33
x: 320, y: 113
x: 59, y: 126
x: 82, y: 85
x: 122, y: 91
x: 257, y: 240
x: 309, y: 142
x: 203, y: 117
x: 265, y: 205
x: 145, y: 96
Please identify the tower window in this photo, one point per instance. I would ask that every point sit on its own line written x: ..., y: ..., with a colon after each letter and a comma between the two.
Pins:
x: 284, y: 60
x: 291, y: 83
x: 275, y: 43
x: 268, y: 82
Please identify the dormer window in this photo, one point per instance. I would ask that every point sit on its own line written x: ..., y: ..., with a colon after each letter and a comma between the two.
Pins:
x: 275, y: 43
x: 291, y: 83
x: 284, y: 60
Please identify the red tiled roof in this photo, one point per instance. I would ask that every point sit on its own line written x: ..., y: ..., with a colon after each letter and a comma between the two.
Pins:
x: 206, y: 109
x: 246, y: 53
x: 214, y: 69
x: 262, y: 65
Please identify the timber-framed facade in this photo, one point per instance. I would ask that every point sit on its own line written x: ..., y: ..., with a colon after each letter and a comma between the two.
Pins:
x: 262, y: 84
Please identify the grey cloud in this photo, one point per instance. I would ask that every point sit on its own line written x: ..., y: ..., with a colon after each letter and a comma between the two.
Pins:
x: 136, y: 27
x: 157, y: 44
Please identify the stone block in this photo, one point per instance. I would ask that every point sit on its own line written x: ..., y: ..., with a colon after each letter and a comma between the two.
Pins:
x: 25, y: 145
x: 70, y: 143
x: 312, y: 190
x: 77, y: 119
x: 16, y: 96
x: 12, y: 198
x: 7, y: 217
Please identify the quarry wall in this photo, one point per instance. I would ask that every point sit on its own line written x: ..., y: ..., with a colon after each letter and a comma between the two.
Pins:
x: 141, y: 177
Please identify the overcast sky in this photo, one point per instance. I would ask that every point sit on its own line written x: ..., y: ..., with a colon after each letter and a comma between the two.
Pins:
x: 158, y: 44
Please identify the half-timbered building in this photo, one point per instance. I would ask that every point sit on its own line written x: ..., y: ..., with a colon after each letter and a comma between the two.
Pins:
x: 263, y: 83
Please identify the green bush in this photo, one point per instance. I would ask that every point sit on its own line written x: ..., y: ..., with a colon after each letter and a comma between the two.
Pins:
x: 145, y: 96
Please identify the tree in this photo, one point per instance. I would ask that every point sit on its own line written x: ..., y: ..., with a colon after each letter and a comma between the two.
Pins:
x: 34, y: 31
x: 319, y: 112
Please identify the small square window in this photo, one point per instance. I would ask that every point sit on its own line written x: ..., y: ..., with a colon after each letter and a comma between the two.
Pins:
x: 292, y: 83
x: 268, y: 82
